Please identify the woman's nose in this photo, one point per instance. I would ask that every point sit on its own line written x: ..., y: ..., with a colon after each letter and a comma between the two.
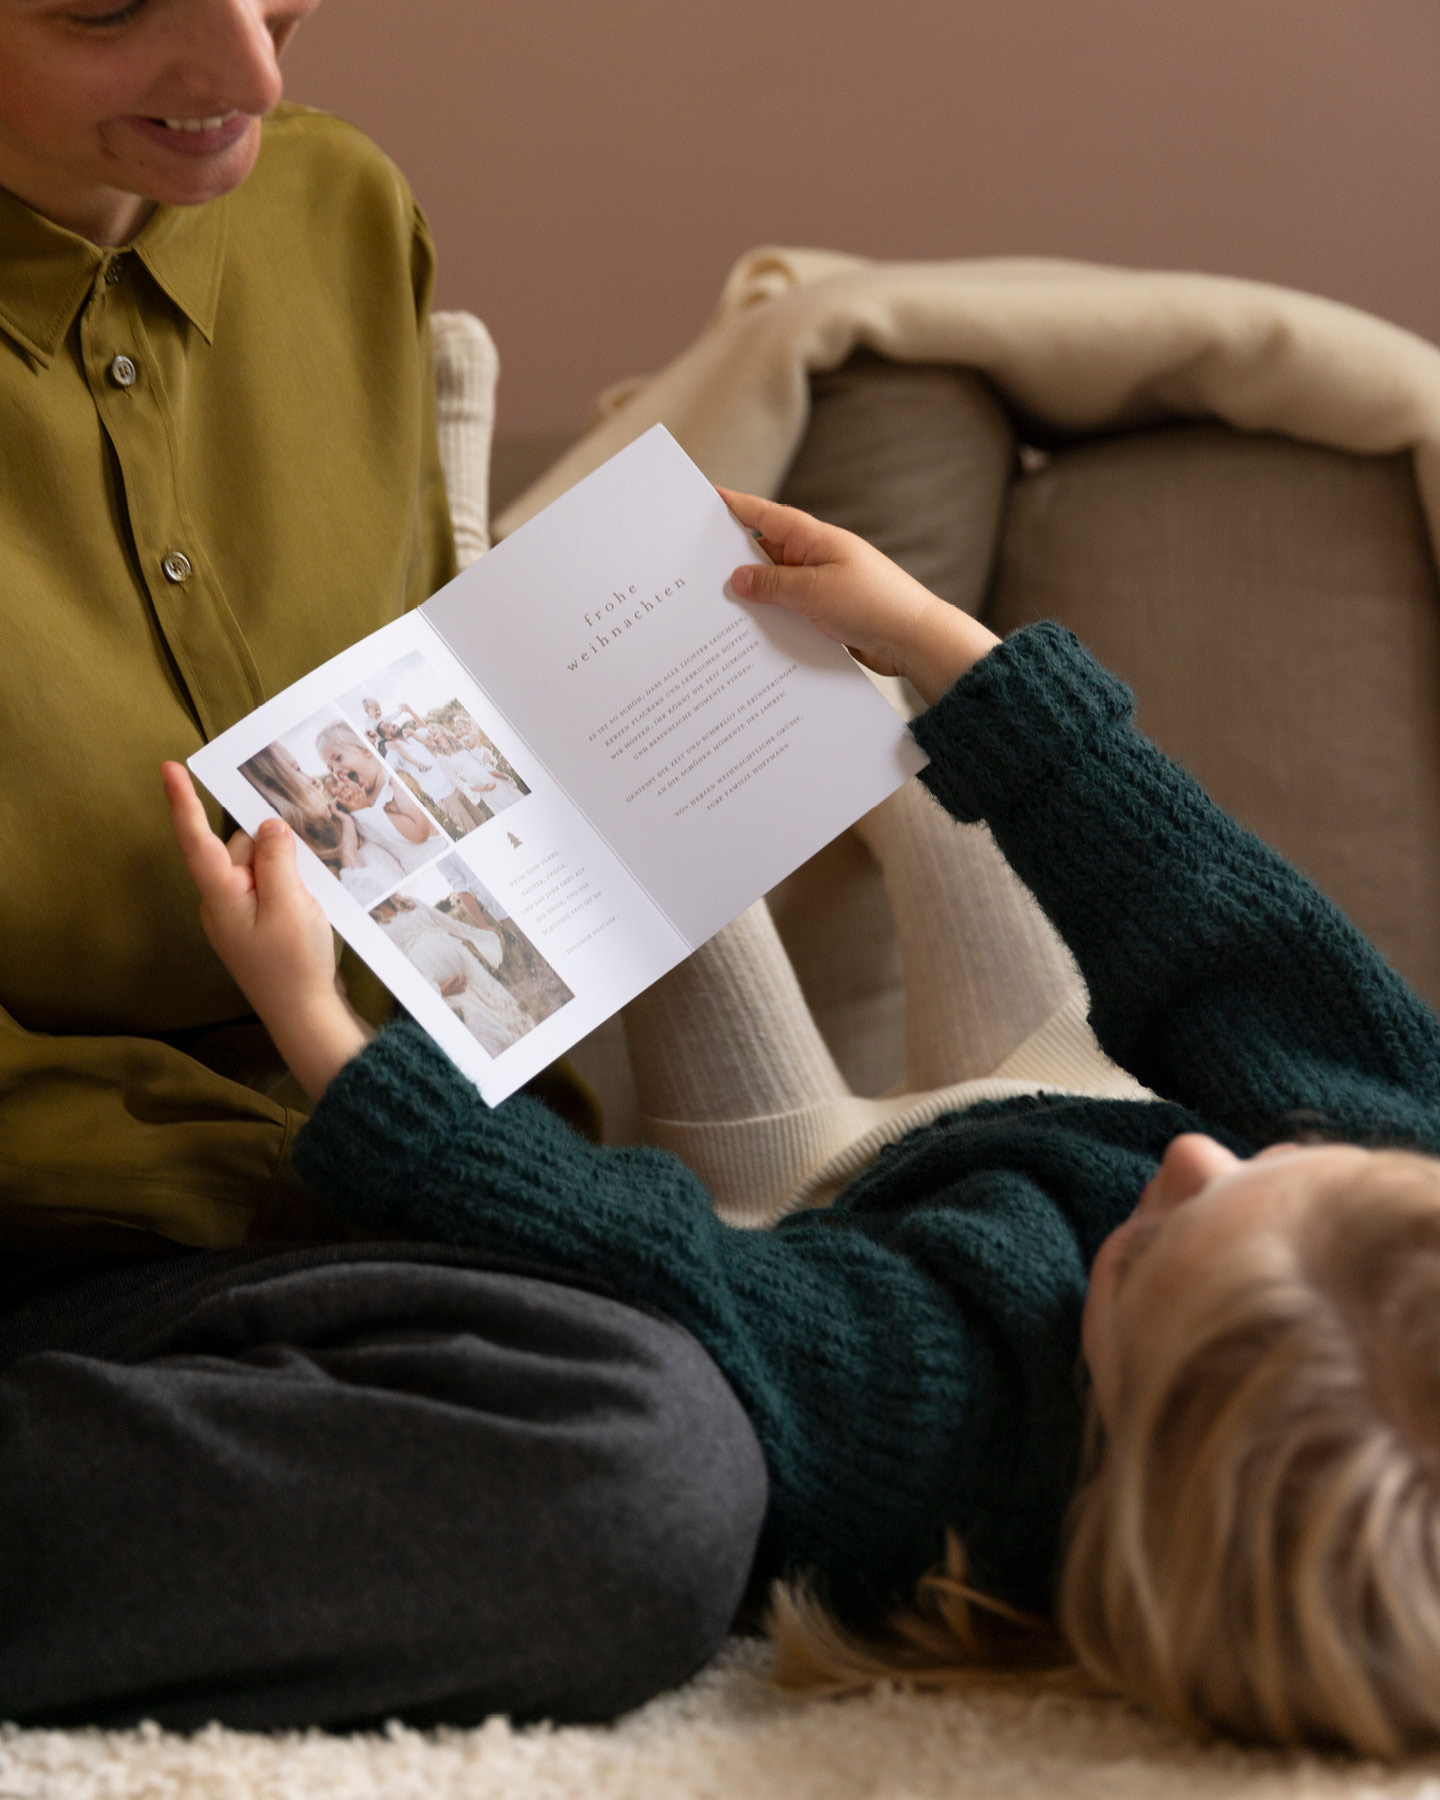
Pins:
x: 229, y: 57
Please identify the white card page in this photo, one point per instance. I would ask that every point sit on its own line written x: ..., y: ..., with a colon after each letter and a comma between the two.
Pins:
x: 716, y: 744
x: 507, y: 936
x: 524, y: 802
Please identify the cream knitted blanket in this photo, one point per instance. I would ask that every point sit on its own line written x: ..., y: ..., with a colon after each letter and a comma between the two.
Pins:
x: 1080, y: 348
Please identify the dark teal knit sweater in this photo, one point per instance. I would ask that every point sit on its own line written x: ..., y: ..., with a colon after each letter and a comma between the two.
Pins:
x: 909, y: 1357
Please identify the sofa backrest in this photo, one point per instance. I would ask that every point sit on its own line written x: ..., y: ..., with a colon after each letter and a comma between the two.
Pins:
x: 1274, y: 605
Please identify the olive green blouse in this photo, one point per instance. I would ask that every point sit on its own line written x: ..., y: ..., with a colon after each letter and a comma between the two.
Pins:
x: 220, y: 468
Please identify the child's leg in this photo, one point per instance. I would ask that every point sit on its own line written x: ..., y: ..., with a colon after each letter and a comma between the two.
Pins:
x: 983, y: 966
x: 733, y: 1075
x: 731, y: 1072
x: 728, y: 1034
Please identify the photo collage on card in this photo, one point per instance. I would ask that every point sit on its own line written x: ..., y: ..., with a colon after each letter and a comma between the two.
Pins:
x: 382, y: 784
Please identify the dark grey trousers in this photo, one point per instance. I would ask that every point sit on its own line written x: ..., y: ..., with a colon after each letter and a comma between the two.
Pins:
x: 327, y: 1487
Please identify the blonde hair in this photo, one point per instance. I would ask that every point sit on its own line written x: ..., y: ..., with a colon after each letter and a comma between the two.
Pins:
x: 1256, y: 1550
x: 952, y: 1635
x: 338, y: 735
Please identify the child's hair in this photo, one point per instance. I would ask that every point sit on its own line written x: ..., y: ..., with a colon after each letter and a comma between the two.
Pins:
x: 337, y: 735
x: 1257, y: 1548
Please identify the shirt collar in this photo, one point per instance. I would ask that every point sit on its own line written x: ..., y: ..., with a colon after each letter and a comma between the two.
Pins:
x: 183, y: 247
x: 46, y: 272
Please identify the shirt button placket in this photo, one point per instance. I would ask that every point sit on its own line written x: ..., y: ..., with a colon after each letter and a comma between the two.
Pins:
x: 129, y: 336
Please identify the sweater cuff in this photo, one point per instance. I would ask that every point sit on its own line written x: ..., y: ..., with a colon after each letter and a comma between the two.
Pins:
x: 1036, y: 707
x: 401, y: 1105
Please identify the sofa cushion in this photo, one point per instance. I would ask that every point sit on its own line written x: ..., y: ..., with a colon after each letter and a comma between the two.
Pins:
x: 915, y: 457
x: 1275, y: 607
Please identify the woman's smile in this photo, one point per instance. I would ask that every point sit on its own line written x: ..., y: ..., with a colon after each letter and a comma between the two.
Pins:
x: 210, y: 136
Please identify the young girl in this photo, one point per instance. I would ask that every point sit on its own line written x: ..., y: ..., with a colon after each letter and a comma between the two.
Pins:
x: 1254, y: 1543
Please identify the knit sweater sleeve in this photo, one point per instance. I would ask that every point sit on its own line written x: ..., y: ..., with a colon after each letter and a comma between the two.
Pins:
x: 1218, y: 975
x: 855, y: 1368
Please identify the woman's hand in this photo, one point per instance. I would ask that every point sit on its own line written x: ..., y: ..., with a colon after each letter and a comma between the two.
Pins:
x: 857, y: 596
x: 269, y: 931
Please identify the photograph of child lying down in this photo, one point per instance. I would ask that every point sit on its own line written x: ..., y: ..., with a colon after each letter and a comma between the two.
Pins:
x: 1138, y: 1373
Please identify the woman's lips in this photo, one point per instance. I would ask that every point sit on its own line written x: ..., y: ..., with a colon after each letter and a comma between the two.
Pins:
x: 195, y: 137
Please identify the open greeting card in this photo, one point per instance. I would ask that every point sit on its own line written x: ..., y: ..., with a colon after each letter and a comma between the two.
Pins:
x: 526, y: 800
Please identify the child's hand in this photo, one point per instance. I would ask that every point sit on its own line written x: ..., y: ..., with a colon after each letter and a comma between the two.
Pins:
x: 269, y: 931
x: 857, y: 596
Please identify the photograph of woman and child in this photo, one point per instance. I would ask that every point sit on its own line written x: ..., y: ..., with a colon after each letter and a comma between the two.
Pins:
x: 336, y: 795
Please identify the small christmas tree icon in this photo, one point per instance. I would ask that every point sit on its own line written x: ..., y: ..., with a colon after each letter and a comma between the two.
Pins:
x: 514, y: 841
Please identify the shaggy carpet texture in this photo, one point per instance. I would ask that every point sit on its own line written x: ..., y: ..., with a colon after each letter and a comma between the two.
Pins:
x: 725, y: 1737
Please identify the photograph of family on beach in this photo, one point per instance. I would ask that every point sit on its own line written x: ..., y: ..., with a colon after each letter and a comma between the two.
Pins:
x: 454, y: 932
x: 386, y: 780
x: 426, y: 737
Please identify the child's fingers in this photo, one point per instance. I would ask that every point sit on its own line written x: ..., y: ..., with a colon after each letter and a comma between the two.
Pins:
x: 277, y: 880
x: 240, y: 848
x: 747, y: 508
x: 784, y: 530
x: 206, y: 857
x: 777, y: 583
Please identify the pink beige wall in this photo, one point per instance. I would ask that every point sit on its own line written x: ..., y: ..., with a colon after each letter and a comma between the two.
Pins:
x: 592, y: 167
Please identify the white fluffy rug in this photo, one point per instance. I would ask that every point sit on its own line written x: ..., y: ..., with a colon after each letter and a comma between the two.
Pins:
x: 722, y: 1738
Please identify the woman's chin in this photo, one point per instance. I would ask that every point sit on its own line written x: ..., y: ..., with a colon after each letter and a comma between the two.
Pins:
x: 182, y: 168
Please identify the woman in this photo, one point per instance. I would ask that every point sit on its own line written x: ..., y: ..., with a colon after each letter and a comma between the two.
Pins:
x: 418, y: 762
x: 167, y: 292
x: 457, y: 959
x: 250, y: 1502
